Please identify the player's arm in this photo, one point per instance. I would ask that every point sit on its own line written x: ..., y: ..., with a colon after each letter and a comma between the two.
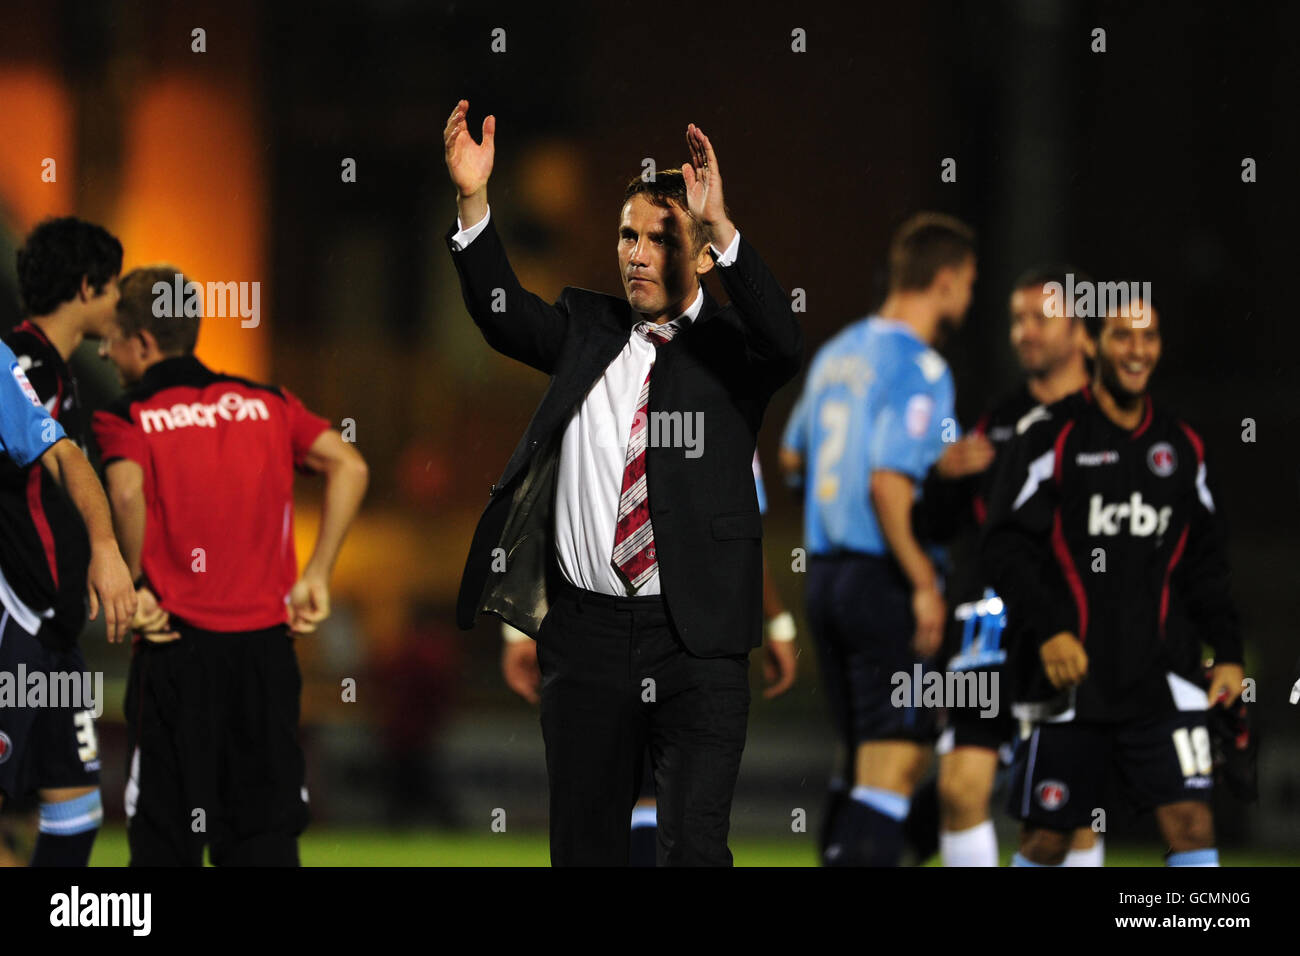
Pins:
x: 125, y: 480
x: 346, y: 477
x: 945, y: 506
x: 1015, y: 552
x: 123, y: 450
x: 904, y: 436
x: 773, y: 337
x: 519, y: 663
x: 27, y: 434
x: 780, y: 656
x: 108, y: 580
x: 514, y: 321
x: 794, y: 444
x: 1207, y: 585
x: 891, y: 497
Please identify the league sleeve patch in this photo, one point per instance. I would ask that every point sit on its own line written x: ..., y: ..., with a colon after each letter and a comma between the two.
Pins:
x: 920, y: 408
x: 17, y: 372
x: 932, y: 365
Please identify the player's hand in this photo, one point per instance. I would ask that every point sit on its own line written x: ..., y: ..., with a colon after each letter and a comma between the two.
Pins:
x: 108, y: 583
x: 780, y: 664
x: 469, y: 163
x: 967, y: 456
x: 309, y: 604
x: 930, y: 612
x: 1225, y: 683
x: 1065, y: 660
x: 151, y: 620
x: 704, y: 188
x: 519, y: 668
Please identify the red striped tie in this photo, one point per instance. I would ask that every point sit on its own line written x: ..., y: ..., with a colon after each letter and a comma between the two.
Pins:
x: 634, y: 538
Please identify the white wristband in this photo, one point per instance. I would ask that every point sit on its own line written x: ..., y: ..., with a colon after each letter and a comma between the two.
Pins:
x: 781, y: 628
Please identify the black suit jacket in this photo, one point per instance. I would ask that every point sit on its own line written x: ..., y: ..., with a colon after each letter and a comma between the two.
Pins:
x: 707, y: 527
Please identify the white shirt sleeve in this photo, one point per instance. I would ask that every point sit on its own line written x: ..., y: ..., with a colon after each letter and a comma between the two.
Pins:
x: 728, y: 257
x: 465, y: 236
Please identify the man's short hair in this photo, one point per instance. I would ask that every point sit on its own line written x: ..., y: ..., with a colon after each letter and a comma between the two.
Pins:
x: 1036, y: 277
x: 924, y: 244
x: 668, y: 186
x: 1094, y: 323
x: 55, y: 257
x: 175, y: 332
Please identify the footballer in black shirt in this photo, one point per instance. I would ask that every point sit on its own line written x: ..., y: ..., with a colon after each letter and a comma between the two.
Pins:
x: 1049, y: 347
x: 51, y: 565
x: 1106, y: 541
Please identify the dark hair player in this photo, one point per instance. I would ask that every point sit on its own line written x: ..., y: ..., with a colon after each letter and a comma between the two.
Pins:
x: 1107, y: 544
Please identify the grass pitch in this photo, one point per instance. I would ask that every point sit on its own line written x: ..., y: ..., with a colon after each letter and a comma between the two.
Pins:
x: 362, y: 847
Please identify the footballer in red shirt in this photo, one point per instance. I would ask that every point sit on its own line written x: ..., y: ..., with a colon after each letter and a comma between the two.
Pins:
x: 199, y: 467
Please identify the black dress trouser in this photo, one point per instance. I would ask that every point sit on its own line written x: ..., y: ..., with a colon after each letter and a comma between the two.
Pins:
x: 616, y: 680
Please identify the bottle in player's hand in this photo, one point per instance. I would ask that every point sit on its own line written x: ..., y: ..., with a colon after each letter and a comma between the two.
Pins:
x: 468, y: 163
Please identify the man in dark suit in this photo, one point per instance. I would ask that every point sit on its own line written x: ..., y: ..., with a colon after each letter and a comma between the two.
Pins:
x: 624, y: 533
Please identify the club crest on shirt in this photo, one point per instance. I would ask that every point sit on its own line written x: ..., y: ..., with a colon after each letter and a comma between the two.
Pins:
x: 16, y: 370
x: 6, y: 746
x: 1162, y: 459
x: 1052, y: 794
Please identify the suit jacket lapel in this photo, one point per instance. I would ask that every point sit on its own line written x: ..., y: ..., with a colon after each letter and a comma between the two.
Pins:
x: 608, y: 335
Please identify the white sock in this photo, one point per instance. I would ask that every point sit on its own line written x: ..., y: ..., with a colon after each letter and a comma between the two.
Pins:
x: 1094, y: 857
x: 977, y: 846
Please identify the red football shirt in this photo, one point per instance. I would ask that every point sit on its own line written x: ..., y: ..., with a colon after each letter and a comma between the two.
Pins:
x: 218, y: 455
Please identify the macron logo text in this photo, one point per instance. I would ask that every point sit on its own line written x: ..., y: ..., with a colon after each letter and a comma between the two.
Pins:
x: 230, y: 407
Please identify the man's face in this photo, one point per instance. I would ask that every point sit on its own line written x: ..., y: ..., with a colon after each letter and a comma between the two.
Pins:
x: 126, y: 354
x: 1127, y: 353
x: 655, y: 258
x: 101, y: 309
x: 1043, y: 342
x: 955, y: 285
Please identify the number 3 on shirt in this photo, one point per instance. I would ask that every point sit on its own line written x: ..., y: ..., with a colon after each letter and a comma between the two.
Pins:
x: 88, y: 748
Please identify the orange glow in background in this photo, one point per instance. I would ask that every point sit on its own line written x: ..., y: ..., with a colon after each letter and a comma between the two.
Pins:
x: 35, y: 123
x: 193, y: 188
x: 194, y: 195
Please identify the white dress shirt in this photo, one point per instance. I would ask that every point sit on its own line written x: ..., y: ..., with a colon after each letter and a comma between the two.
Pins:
x: 593, y: 452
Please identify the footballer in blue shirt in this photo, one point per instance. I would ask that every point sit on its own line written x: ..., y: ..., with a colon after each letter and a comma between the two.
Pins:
x: 875, y: 413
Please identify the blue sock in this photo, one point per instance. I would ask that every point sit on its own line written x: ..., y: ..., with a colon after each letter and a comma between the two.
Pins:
x: 644, y: 847
x: 68, y: 831
x: 1021, y: 860
x: 890, y: 804
x: 869, y: 829
x: 1208, y: 857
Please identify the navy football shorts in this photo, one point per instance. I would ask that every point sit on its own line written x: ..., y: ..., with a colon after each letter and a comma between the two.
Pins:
x: 860, y: 612
x: 47, y: 741
x: 966, y: 728
x: 1061, y: 770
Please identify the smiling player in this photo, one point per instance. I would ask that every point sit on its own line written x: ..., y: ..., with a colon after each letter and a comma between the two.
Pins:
x: 1107, y: 544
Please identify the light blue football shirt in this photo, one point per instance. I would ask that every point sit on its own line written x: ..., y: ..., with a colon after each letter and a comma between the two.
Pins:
x: 876, y: 397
